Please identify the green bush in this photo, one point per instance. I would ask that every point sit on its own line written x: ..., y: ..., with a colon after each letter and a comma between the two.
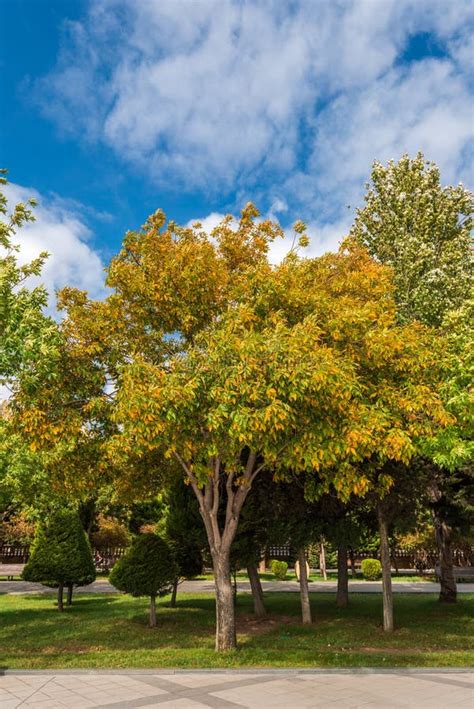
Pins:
x: 147, y: 569
x: 279, y: 569
x: 371, y: 569
x: 61, y: 554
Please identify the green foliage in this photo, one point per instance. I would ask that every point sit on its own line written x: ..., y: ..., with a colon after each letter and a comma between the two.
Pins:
x: 147, y: 569
x: 184, y: 529
x: 423, y: 231
x: 28, y: 338
x: 279, y: 569
x: 371, y: 569
x: 61, y: 552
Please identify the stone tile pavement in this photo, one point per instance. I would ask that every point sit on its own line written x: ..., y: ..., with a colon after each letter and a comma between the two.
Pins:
x: 226, y: 689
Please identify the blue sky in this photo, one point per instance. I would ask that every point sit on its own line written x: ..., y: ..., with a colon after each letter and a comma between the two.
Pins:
x: 113, y: 108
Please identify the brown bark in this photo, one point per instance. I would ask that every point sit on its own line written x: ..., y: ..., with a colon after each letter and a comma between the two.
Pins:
x: 262, y: 567
x: 322, y: 561
x: 70, y: 588
x: 342, y: 596
x: 60, y: 597
x: 152, y: 611
x: 225, y: 610
x: 304, y: 590
x: 220, y: 537
x: 448, y: 590
x: 174, y: 592
x: 257, y: 592
x: 386, y: 572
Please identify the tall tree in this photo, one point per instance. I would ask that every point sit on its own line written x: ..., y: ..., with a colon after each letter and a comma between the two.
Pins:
x: 423, y: 231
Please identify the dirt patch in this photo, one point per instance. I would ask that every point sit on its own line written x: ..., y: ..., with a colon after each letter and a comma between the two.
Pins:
x: 248, y: 624
x: 391, y: 650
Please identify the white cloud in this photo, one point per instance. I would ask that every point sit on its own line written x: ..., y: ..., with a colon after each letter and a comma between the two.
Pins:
x: 58, y: 229
x: 265, y: 97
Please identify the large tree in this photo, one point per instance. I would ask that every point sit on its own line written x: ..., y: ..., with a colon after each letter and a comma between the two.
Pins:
x: 206, y: 355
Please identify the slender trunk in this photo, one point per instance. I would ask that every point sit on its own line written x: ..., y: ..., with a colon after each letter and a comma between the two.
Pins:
x: 174, y: 591
x: 386, y: 572
x: 322, y: 561
x: 262, y: 567
x: 152, y: 611
x: 353, y: 563
x: 448, y: 591
x: 225, y: 612
x: 342, y: 596
x: 60, y: 597
x: 234, y: 586
x: 304, y: 591
x: 257, y: 593
x: 395, y: 560
x: 70, y: 587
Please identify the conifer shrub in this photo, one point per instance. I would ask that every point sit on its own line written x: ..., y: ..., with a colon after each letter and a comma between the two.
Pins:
x: 147, y: 569
x: 279, y: 569
x: 60, y: 555
x: 371, y: 569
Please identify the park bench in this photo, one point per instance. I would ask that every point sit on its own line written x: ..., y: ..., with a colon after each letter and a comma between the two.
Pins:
x: 11, y: 570
x: 461, y: 573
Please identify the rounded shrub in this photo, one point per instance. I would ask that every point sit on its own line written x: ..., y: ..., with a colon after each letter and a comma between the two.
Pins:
x: 147, y: 569
x: 279, y: 569
x: 371, y: 569
x: 61, y: 555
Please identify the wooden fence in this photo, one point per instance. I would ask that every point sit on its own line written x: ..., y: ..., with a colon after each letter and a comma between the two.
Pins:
x: 106, y: 557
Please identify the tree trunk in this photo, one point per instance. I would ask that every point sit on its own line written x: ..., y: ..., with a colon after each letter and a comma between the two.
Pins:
x: 353, y: 563
x: 342, y: 596
x: 60, y: 597
x: 257, y: 593
x: 448, y: 591
x: 152, y: 611
x: 304, y: 591
x: 322, y: 561
x: 173, y: 593
x: 220, y: 536
x: 70, y: 588
x: 225, y: 612
x: 234, y: 586
x: 386, y: 572
x: 262, y: 567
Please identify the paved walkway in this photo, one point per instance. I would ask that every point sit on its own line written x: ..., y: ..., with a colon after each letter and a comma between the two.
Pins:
x: 224, y: 690
x: 103, y: 586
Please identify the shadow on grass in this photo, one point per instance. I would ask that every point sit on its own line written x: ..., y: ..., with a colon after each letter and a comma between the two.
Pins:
x: 112, y: 631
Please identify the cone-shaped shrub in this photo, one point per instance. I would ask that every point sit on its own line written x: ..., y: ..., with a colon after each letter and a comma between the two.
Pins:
x: 147, y: 569
x: 60, y: 554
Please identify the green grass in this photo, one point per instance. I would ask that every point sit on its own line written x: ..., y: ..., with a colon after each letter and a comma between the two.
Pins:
x: 108, y: 630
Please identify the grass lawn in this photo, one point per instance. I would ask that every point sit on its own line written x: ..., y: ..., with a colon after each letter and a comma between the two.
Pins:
x: 105, y: 630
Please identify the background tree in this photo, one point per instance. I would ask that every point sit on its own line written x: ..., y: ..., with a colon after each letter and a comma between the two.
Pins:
x: 184, y: 533
x: 28, y: 337
x: 424, y: 232
x: 147, y: 569
x: 60, y: 554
